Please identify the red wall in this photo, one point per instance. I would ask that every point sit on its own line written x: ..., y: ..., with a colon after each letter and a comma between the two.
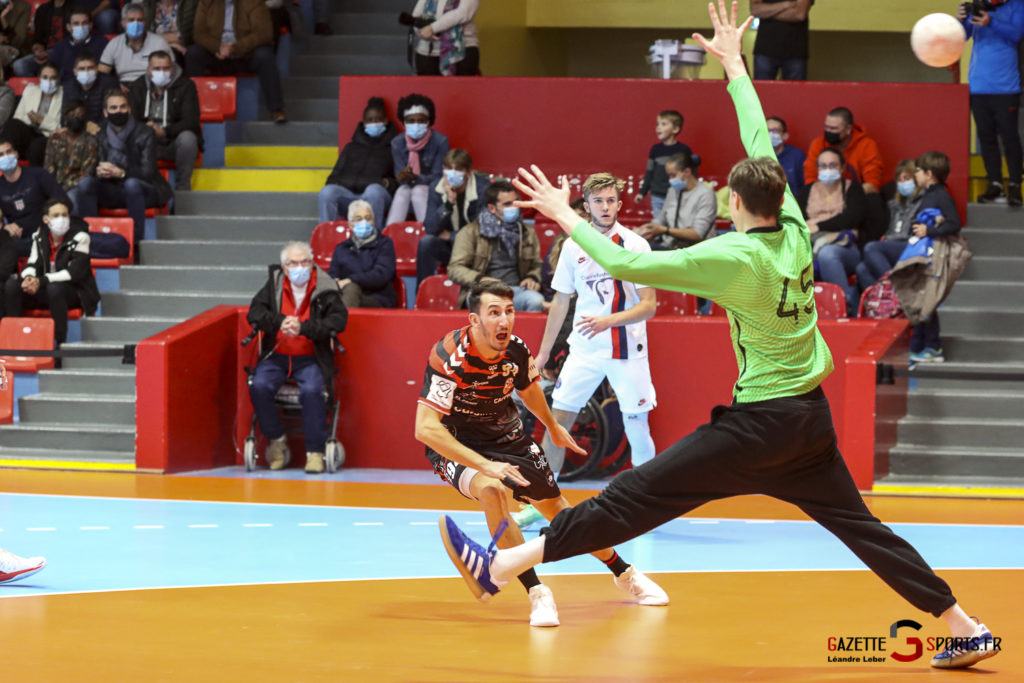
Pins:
x: 584, y: 125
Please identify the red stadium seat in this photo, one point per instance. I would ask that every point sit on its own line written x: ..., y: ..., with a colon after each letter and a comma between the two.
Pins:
x: 217, y: 98
x: 403, y: 301
x: 18, y: 84
x: 73, y: 313
x: 676, y: 303
x: 123, y: 213
x: 830, y: 300
x: 326, y: 236
x: 546, y: 233
x: 437, y: 293
x: 124, y: 227
x: 30, y: 334
x: 717, y: 310
x: 7, y: 401
x: 406, y: 237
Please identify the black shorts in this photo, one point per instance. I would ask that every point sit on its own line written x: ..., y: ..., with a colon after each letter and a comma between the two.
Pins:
x: 525, y: 454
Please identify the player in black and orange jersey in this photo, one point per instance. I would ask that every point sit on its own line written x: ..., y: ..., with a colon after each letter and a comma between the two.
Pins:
x: 476, y: 441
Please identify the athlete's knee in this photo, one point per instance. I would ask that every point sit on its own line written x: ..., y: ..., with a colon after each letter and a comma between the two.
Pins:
x: 490, y: 492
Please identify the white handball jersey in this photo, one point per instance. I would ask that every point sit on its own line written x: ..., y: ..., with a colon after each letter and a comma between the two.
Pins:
x: 600, y: 294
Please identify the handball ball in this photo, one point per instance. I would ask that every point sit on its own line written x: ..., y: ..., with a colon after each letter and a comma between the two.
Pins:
x: 938, y: 39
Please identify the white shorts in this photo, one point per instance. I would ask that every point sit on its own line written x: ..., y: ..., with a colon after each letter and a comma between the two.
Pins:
x: 581, y: 375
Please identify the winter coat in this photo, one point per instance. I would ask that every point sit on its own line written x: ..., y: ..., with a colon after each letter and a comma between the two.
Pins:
x: 371, y: 266
x: 252, y: 25
x: 440, y: 216
x: 182, y: 105
x: 471, y: 254
x: 431, y: 157
x: 923, y: 283
x: 364, y: 161
x: 142, y: 158
x: 861, y: 153
x: 71, y: 263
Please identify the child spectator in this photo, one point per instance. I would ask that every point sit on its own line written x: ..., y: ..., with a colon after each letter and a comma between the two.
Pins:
x: 655, y: 182
x: 418, y: 156
x: 881, y: 255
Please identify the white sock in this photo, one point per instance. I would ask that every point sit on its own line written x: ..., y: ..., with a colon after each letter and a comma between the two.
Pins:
x: 509, y: 563
x: 638, y: 433
x: 960, y: 625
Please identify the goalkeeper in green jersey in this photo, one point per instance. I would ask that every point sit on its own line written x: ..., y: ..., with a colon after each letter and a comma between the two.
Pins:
x: 777, y: 436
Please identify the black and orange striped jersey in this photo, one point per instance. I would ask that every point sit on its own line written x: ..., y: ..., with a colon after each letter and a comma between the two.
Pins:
x: 475, y: 395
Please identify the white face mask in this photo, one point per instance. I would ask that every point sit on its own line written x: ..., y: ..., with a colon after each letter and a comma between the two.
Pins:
x: 59, y: 226
x: 48, y: 85
x: 161, y: 78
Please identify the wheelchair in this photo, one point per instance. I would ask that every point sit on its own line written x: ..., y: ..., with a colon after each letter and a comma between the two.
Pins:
x: 287, y: 402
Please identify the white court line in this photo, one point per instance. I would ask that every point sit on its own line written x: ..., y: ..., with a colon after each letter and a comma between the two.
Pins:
x: 203, y: 526
x: 703, y: 521
x: 410, y: 524
x: 255, y: 525
x: 367, y: 523
x: 312, y: 523
x: 476, y: 523
x: 759, y: 521
x: 41, y: 528
x: 148, y: 526
x: 94, y: 528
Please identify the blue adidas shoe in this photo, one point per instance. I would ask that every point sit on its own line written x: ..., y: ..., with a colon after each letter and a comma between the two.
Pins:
x: 965, y: 652
x: 470, y: 558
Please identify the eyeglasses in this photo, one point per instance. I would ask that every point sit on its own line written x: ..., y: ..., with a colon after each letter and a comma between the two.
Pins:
x: 296, y: 264
x: 834, y: 164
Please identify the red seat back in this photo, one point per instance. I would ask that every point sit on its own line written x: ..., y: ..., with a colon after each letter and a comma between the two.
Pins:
x: 124, y: 227
x: 717, y: 310
x: 326, y: 236
x: 217, y: 98
x: 830, y: 300
x: 403, y: 300
x: 406, y: 237
x: 7, y: 401
x: 30, y: 334
x: 437, y: 293
x: 546, y: 233
x: 18, y: 84
x: 676, y: 303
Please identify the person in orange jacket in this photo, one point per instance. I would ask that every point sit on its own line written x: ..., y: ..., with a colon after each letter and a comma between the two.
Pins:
x: 861, y: 152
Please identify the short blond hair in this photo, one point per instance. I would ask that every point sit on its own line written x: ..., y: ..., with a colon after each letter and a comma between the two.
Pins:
x: 599, y: 181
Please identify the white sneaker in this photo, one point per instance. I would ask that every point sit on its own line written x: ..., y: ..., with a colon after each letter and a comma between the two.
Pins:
x: 640, y: 587
x: 14, y: 568
x: 542, y: 607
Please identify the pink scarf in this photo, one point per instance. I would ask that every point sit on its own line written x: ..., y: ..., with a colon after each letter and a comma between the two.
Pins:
x: 414, y: 147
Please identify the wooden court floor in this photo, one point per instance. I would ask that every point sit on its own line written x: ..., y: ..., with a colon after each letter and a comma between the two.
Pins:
x: 722, y: 626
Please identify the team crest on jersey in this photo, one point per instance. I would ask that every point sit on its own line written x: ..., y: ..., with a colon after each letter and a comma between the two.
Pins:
x: 603, y: 286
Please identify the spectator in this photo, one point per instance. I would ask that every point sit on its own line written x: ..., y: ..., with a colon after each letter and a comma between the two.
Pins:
x: 48, y: 28
x: 168, y: 103
x: 499, y: 246
x: 233, y: 38
x: 365, y: 168
x: 783, y: 35
x: 418, y: 157
x: 58, y: 276
x: 37, y: 116
x: 105, y: 17
x: 688, y: 214
x: 166, y: 18
x: 994, y: 81
x: 8, y: 100
x: 299, y: 311
x: 23, y: 191
x: 89, y: 85
x: 126, y: 175
x: 280, y: 19
x: 127, y: 54
x: 14, y: 20
x: 792, y: 158
x: 454, y: 202
x: 881, y: 255
x: 364, y: 264
x: 72, y: 153
x: 78, y: 39
x: 863, y: 160
x: 448, y: 46
x: 547, y: 271
x: 655, y: 182
x: 834, y: 209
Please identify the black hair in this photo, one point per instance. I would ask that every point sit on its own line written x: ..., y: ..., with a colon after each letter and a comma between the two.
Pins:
x: 781, y: 121
x: 160, y: 54
x: 843, y: 113
x: 375, y: 104
x: 86, y: 56
x: 481, y: 287
x: 416, y: 99
x: 494, y: 189
x: 54, y: 201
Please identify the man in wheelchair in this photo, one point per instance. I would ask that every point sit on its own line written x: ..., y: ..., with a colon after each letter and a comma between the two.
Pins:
x: 299, y: 311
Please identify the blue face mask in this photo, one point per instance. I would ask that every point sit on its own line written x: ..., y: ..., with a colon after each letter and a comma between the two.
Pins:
x: 362, y: 229
x: 375, y: 130
x: 79, y: 33
x: 134, y: 29
x: 416, y: 130
x: 828, y: 175
x: 676, y: 183
x: 8, y: 163
x: 510, y: 214
x: 299, y: 275
x: 775, y: 138
x: 906, y: 187
x: 454, y: 178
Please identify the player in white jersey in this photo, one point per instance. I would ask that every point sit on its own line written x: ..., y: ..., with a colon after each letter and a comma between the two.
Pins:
x: 609, y: 337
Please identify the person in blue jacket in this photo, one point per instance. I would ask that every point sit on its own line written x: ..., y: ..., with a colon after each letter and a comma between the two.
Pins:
x: 364, y: 264
x: 994, y: 80
x: 418, y: 155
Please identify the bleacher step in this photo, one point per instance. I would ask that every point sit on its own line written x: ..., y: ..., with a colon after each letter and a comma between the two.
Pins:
x: 231, y: 230
x: 269, y: 156
x: 955, y: 485
x: 294, y: 133
x: 244, y: 204
x: 993, y: 216
x: 989, y: 268
x: 69, y: 459
x: 351, y: 65
x: 309, y: 109
x: 986, y: 349
x: 965, y: 404
x: 367, y: 23
x: 275, y: 180
x: 127, y: 330
x: 979, y: 433
x: 178, y: 304
x: 985, y: 240
x: 1005, y: 295
x: 210, y: 253
x: 298, y: 87
x: 111, y: 362
x: 956, y: 320
x: 393, y: 7
x: 191, y: 278
x: 68, y: 436
x: 956, y: 461
x: 388, y: 45
x: 51, y: 408
x: 95, y: 381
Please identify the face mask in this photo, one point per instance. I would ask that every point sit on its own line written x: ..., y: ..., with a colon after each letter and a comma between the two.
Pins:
x: 134, y: 29
x: 775, y: 138
x: 76, y: 124
x: 828, y: 175
x: 87, y: 77
x: 454, y: 178
x: 118, y: 119
x: 375, y: 130
x: 160, y: 78
x: 48, y: 86
x: 833, y: 138
x: 299, y: 275
x: 79, y: 33
x: 676, y: 183
x: 8, y: 163
x: 906, y: 187
x: 59, y: 226
x: 510, y: 214
x: 362, y: 229
x: 416, y: 130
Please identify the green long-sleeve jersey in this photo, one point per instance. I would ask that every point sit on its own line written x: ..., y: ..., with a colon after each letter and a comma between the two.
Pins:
x: 763, y: 278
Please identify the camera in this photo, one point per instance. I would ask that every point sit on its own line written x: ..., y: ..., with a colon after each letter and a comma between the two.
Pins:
x: 976, y: 7
x: 406, y: 19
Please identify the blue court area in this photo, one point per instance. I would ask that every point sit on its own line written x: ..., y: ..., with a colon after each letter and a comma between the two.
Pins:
x: 99, y: 544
